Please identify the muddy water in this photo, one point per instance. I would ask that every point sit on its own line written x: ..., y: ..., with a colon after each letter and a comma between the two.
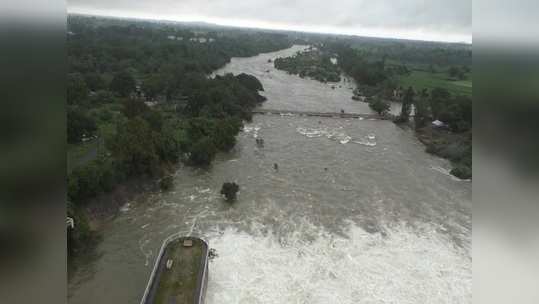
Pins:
x: 356, y: 213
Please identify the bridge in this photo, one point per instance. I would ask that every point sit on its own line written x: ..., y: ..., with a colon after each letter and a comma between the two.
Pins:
x: 322, y: 114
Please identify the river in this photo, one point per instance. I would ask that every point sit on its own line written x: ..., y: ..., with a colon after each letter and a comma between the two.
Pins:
x: 356, y: 213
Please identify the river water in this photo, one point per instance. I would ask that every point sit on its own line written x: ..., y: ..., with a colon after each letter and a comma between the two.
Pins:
x: 357, y: 212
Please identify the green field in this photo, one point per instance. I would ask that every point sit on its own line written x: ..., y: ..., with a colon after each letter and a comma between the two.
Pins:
x: 422, y: 79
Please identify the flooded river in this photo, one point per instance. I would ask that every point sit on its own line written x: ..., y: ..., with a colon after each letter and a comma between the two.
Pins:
x: 357, y: 212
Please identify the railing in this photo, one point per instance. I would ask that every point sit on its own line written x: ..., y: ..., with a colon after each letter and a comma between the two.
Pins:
x: 202, y: 278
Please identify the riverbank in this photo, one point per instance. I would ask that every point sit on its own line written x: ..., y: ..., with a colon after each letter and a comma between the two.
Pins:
x: 455, y: 147
x: 107, y: 206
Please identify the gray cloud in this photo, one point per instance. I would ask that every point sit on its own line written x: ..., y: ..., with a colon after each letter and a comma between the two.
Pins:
x: 430, y: 18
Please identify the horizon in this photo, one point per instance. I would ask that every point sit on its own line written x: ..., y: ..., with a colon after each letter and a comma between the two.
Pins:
x: 259, y: 26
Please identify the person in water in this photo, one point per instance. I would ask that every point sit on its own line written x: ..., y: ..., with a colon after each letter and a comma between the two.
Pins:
x: 276, y: 167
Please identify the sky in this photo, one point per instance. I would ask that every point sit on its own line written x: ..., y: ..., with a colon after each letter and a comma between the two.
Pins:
x: 434, y: 20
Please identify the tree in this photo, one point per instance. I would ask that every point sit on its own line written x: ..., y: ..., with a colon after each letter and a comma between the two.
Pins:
x: 154, y: 86
x: 123, y: 84
x: 167, y: 144
x: 78, y: 125
x: 133, y: 108
x: 458, y: 113
x: 250, y: 82
x: 379, y: 106
x: 134, y: 147
x: 421, y: 105
x: 202, y: 151
x: 166, y: 182
x: 94, y: 81
x: 407, y: 102
x: 225, y: 133
x: 439, y: 98
x: 456, y: 72
x: 102, y: 97
x: 77, y: 90
x: 230, y: 191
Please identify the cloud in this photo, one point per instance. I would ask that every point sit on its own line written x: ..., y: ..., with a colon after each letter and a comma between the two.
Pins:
x: 442, y: 19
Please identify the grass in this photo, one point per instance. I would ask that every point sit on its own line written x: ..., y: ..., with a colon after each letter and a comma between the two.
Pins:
x: 178, y: 284
x: 426, y: 80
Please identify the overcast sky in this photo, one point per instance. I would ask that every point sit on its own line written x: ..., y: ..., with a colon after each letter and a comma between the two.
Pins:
x: 439, y: 20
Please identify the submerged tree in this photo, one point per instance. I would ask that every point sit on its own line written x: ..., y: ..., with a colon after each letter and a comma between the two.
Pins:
x: 407, y: 102
x: 379, y: 106
x: 230, y: 191
x: 166, y: 182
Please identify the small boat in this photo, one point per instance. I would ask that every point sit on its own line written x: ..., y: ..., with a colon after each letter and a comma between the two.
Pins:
x: 180, y: 273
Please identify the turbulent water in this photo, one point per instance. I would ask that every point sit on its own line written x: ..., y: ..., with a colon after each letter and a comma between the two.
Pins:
x: 357, y: 212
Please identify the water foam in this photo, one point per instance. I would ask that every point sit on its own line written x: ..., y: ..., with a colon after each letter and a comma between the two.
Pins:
x: 335, y: 134
x: 126, y: 207
x: 253, y: 130
x: 447, y: 172
x: 402, y: 267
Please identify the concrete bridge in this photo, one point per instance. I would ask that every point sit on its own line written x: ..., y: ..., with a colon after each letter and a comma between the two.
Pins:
x: 322, y: 114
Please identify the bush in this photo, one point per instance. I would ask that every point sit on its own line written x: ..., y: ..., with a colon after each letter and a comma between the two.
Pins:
x: 230, y: 191
x: 166, y: 182
x: 462, y: 172
x: 202, y: 152
x: 250, y: 82
x: 379, y: 106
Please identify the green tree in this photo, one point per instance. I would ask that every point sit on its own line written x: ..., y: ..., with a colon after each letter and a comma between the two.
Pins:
x: 77, y: 90
x: 439, y: 98
x: 379, y: 106
x: 154, y: 86
x: 407, y: 102
x: 250, y: 82
x: 421, y: 105
x: 203, y: 151
x: 94, y: 81
x: 230, y: 191
x: 456, y: 72
x: 78, y: 125
x: 132, y: 108
x: 224, y: 133
x: 167, y: 144
x: 123, y: 84
x: 166, y: 182
x: 134, y: 146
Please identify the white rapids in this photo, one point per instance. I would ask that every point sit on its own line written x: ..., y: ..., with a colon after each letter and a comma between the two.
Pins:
x: 401, y: 267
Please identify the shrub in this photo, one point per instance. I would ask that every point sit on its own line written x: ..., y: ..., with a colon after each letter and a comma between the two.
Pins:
x: 166, y: 182
x: 462, y: 172
x: 230, y: 191
x: 379, y: 106
x: 203, y: 151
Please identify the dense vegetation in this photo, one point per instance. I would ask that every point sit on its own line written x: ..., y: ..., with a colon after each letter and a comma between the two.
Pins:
x: 144, y: 96
x: 433, y: 79
x: 230, y: 191
x: 311, y: 63
x: 380, y: 82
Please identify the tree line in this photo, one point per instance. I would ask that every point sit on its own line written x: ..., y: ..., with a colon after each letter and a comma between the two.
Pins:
x: 151, y: 102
